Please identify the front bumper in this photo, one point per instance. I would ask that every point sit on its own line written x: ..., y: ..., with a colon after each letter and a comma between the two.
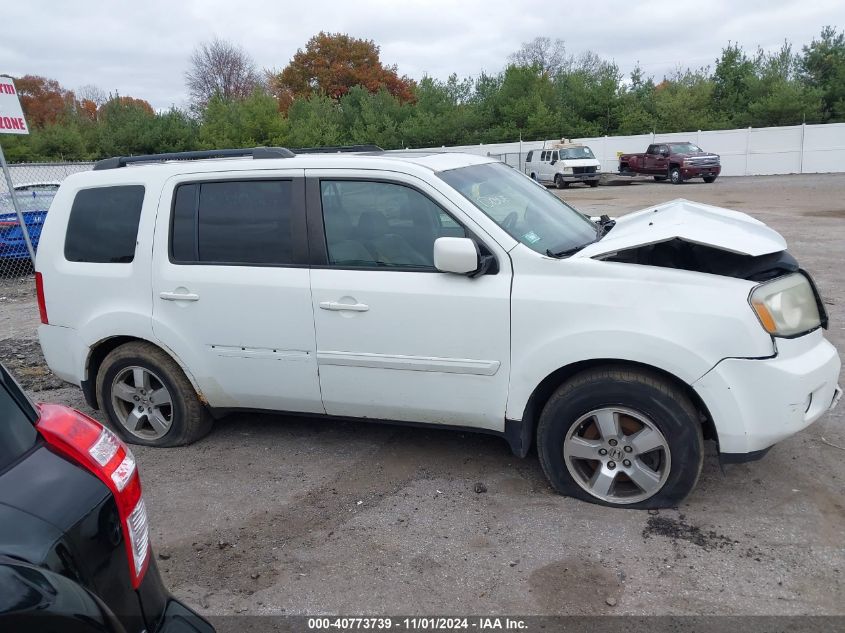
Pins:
x: 755, y: 403
x: 690, y: 171
x: 580, y: 177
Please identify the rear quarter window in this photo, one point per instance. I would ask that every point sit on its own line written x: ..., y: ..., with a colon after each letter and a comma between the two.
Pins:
x: 103, y: 225
x: 17, y: 432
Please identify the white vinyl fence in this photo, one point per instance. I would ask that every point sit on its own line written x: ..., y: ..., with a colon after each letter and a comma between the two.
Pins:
x: 796, y: 149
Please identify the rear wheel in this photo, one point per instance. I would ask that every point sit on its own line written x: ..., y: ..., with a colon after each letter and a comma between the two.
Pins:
x: 675, y: 175
x: 621, y: 437
x: 709, y: 179
x: 148, y: 399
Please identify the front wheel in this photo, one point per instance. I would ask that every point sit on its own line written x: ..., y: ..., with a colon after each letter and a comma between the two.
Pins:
x: 675, y: 175
x: 560, y: 182
x: 709, y: 179
x: 621, y: 437
x: 148, y: 399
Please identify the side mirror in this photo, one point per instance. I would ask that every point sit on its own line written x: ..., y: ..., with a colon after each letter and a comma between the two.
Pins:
x: 664, y: 152
x: 457, y: 255
x: 553, y: 162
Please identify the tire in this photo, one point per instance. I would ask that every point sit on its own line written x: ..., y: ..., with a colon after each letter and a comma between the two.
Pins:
x: 560, y: 182
x: 660, y: 178
x: 569, y: 439
x: 675, y: 176
x: 133, y: 374
x: 709, y: 179
x: 594, y: 183
x: 534, y: 177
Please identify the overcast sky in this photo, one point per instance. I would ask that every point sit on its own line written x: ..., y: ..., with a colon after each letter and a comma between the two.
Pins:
x: 141, y: 49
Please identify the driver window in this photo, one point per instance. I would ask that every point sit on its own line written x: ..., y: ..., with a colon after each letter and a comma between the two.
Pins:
x: 381, y: 224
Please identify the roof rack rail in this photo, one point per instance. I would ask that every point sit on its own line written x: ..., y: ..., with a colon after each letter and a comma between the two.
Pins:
x: 337, y: 149
x: 255, y: 152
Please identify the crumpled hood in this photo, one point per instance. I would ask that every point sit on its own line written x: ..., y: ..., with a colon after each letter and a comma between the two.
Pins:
x: 693, y: 222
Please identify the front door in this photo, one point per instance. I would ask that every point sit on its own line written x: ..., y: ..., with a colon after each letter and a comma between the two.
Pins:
x: 231, y: 294
x: 397, y: 339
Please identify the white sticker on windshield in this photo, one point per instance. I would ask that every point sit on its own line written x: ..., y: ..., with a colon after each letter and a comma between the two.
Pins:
x: 531, y: 237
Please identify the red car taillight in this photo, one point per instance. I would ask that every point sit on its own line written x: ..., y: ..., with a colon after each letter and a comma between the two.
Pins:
x: 39, y: 293
x: 97, y: 449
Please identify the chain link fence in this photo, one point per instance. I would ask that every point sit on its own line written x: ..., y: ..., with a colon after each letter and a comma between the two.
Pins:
x: 35, y: 186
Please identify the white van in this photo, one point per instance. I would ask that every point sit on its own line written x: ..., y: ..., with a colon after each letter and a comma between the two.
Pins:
x: 430, y: 288
x: 563, y: 164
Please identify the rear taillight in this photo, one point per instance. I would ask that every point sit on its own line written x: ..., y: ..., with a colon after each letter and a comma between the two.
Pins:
x: 39, y: 292
x: 97, y: 449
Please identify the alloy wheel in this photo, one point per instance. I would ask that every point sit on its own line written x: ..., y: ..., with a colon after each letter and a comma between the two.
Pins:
x: 142, y: 403
x: 617, y: 455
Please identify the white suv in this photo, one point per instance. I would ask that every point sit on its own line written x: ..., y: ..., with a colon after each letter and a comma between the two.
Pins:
x: 431, y: 288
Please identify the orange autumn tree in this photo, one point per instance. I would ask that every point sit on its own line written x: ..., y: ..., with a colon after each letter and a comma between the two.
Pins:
x: 332, y: 64
x: 44, y: 101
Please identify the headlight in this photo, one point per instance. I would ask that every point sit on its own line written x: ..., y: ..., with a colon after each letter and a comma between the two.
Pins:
x: 786, y: 306
x: 567, y: 170
x: 598, y: 169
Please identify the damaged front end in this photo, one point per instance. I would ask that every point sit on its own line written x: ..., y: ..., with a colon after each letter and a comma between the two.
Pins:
x: 683, y: 255
x: 698, y: 237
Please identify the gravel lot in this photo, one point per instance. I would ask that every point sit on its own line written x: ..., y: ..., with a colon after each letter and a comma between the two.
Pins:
x: 280, y: 515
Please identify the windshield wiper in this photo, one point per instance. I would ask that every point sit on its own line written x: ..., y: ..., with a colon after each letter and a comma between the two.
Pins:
x: 568, y: 251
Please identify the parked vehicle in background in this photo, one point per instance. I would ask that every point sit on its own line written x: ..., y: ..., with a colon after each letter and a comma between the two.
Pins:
x: 563, y: 164
x: 431, y: 288
x: 676, y: 161
x: 74, y: 541
x: 34, y: 200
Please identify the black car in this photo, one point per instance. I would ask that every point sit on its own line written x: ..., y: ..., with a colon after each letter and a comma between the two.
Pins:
x: 74, y: 542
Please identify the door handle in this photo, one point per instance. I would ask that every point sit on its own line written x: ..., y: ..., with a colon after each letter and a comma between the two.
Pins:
x: 179, y: 296
x: 350, y: 307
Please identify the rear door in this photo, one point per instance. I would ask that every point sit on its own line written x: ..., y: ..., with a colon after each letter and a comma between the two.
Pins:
x: 231, y: 294
x: 397, y: 339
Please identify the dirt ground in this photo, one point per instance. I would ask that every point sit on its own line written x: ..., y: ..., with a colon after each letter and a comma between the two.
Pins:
x: 281, y: 515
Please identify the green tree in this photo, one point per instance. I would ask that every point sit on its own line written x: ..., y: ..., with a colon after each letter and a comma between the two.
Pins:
x: 731, y: 85
x: 314, y: 121
x: 777, y: 94
x: 242, y: 122
x: 823, y: 67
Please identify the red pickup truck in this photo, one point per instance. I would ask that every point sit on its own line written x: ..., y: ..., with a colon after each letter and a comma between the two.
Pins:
x: 676, y: 161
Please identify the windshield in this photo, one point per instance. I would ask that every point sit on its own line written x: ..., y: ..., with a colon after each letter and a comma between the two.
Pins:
x: 684, y: 148
x: 27, y: 201
x: 526, y: 210
x: 576, y: 152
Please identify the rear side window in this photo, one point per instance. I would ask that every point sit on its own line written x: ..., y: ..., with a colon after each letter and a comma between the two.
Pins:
x: 528, y: 158
x: 17, y: 433
x: 103, y: 225
x: 233, y: 222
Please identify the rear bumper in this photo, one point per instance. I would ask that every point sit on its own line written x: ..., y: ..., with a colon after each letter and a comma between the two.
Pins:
x: 180, y: 619
x: 64, y: 351
x: 756, y: 403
